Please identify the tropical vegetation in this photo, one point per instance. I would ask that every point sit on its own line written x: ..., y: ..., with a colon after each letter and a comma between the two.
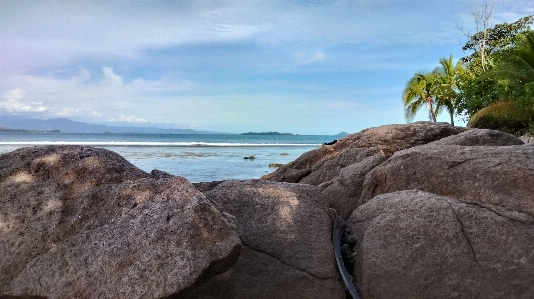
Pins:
x: 493, y: 89
x: 436, y: 90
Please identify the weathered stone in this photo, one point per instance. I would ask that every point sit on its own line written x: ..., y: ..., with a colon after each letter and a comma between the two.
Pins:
x: 527, y: 139
x: 480, y: 137
x: 496, y: 175
x: 413, y: 244
x: 343, y: 192
x: 339, y: 169
x: 80, y: 222
x: 327, y: 169
x: 285, y: 230
x: 328, y: 160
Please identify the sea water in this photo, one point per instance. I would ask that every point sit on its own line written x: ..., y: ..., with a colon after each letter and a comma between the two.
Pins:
x: 197, y: 157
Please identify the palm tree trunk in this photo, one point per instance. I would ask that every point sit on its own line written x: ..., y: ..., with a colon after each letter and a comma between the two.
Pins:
x: 430, y: 107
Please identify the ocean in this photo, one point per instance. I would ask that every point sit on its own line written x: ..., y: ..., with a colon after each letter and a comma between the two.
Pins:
x: 197, y: 157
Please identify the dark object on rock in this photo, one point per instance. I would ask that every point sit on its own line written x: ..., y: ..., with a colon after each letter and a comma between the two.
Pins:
x: 250, y: 157
x: 330, y: 143
x: 275, y: 165
x: 339, y: 229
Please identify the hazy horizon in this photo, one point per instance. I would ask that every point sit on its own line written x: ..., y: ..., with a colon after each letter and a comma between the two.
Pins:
x: 304, y: 67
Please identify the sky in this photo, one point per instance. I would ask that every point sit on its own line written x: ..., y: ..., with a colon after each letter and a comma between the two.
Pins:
x: 304, y: 67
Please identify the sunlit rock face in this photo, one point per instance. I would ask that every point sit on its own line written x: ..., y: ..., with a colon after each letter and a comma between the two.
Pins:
x: 286, y: 232
x: 449, y: 219
x: 339, y: 169
x: 80, y: 222
x: 415, y: 244
x: 495, y: 175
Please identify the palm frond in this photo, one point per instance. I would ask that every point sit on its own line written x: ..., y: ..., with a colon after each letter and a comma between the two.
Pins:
x: 504, y: 110
x: 519, y: 63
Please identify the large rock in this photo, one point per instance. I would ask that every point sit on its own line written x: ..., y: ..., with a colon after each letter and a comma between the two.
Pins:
x: 339, y: 169
x: 285, y: 230
x: 527, y: 139
x: 480, y: 137
x: 496, y: 175
x: 80, y: 222
x: 343, y: 192
x: 413, y: 244
x: 323, y: 163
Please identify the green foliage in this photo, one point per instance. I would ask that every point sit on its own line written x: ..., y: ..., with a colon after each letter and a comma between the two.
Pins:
x: 502, y: 97
x: 420, y: 91
x: 476, y: 94
x: 509, y: 116
x: 512, y: 85
x: 517, y: 64
x: 436, y: 90
x: 500, y: 38
x: 449, y: 76
x: 496, y: 93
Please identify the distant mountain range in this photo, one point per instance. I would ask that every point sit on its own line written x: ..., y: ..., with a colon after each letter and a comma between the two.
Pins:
x: 65, y: 125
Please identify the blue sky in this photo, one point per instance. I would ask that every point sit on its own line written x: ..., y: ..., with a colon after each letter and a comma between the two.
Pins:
x: 306, y: 67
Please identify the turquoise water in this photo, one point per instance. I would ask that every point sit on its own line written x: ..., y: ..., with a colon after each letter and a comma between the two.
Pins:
x: 199, y: 158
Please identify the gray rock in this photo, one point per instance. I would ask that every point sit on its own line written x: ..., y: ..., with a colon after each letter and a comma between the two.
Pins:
x: 329, y: 168
x: 480, y: 137
x: 80, y: 222
x: 328, y: 160
x: 285, y: 230
x: 496, y: 175
x: 413, y: 244
x: 343, y: 192
x: 527, y: 139
x: 339, y: 169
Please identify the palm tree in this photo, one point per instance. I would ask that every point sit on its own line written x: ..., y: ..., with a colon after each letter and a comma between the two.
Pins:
x: 519, y: 63
x: 519, y: 66
x: 420, y: 91
x: 449, y: 76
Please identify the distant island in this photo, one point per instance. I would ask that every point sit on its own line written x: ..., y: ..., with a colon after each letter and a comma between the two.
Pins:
x: 342, y: 134
x: 15, y: 123
x: 267, y: 133
x: 2, y: 129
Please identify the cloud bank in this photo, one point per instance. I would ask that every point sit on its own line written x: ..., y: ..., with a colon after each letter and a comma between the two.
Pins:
x: 300, y: 66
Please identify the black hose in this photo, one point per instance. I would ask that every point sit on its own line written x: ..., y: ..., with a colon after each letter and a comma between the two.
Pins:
x: 339, y: 229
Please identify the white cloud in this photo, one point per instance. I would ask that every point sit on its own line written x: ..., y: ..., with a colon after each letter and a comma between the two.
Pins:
x: 79, y: 112
x: 96, y: 114
x: 138, y: 48
x: 14, y: 95
x: 12, y: 102
x: 86, y: 98
x: 110, y: 77
x: 130, y: 119
x: 68, y: 112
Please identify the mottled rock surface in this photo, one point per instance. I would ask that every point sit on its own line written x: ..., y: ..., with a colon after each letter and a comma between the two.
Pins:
x: 339, y: 169
x: 480, y: 137
x: 527, y: 139
x: 388, y: 139
x: 285, y: 230
x: 413, y: 244
x: 496, y: 175
x: 80, y: 222
x: 343, y: 192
